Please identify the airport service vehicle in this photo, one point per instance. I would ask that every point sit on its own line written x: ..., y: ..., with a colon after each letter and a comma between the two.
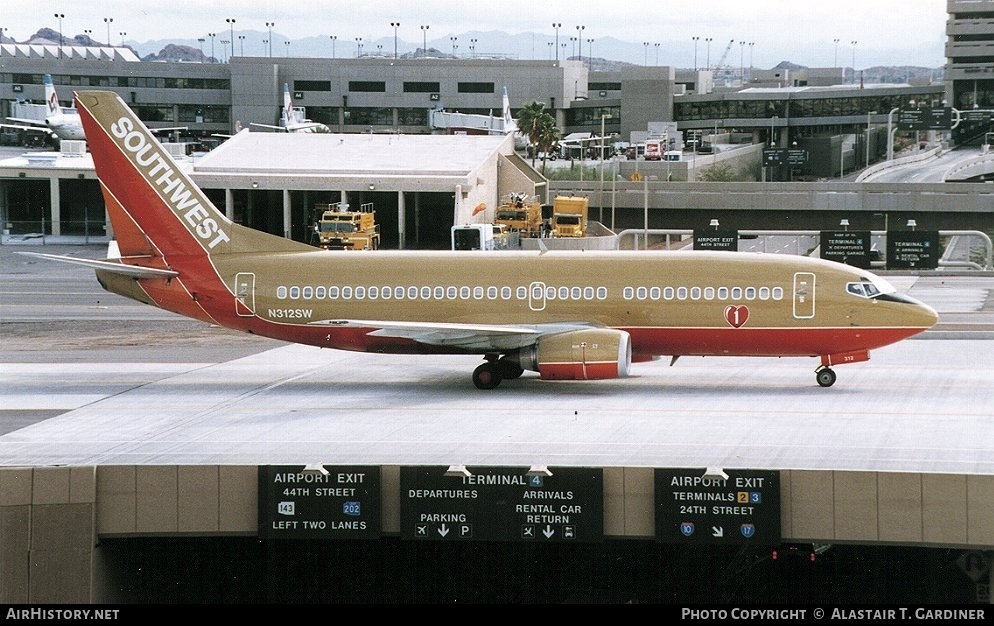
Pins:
x: 484, y: 237
x: 565, y: 314
x: 340, y: 228
x: 569, y: 216
x: 654, y: 149
x: 522, y: 213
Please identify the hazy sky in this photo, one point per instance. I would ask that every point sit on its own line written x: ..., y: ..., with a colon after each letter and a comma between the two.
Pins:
x: 799, y: 30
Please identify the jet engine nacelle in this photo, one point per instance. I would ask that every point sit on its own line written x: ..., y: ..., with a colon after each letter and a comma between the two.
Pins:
x: 580, y: 355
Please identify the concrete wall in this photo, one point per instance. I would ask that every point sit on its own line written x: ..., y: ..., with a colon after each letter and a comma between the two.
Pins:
x: 51, y: 519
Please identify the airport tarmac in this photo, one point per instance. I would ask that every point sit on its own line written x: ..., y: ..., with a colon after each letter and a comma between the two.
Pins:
x: 90, y: 378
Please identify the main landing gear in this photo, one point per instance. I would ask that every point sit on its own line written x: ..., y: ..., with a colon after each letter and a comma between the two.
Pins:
x: 489, y: 373
x: 825, y: 376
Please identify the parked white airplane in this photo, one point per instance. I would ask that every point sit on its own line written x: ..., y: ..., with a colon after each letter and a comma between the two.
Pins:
x: 60, y: 122
x: 293, y: 120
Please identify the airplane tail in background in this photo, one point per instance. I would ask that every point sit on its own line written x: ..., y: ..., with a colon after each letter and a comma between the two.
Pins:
x: 51, y: 97
x: 287, y: 107
x: 156, y: 210
x: 507, y: 110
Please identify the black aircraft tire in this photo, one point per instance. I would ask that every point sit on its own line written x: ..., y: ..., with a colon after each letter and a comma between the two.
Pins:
x: 825, y: 377
x: 509, y: 370
x: 486, y: 376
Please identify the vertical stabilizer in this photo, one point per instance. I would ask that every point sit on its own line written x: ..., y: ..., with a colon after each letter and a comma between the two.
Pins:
x: 287, y: 107
x: 51, y: 97
x: 140, y: 178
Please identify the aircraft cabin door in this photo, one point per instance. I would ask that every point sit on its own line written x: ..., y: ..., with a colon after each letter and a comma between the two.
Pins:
x: 245, y: 294
x: 804, y: 295
x: 536, y: 296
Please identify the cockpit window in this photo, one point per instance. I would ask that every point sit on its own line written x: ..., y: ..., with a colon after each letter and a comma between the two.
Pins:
x: 863, y: 289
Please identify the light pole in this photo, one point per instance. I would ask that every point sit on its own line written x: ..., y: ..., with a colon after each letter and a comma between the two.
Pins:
x: 453, y: 41
x: 836, y: 40
x: 751, y: 44
x: 395, y: 26
x: 695, y: 38
x: 60, y: 16
x: 657, y: 54
x: 890, y: 135
x: 854, y: 61
x: 123, y: 35
x: 590, y: 53
x: 270, y: 25
x: 107, y: 21
x: 241, y: 45
x: 224, y: 47
x: 604, y: 116
x: 472, y: 47
x: 742, y: 62
x: 358, y: 46
x: 645, y: 44
x: 231, y: 28
x: 333, y: 38
x: 557, y: 26
x: 287, y: 44
x: 868, y: 114
x: 708, y: 41
x: 579, y: 44
x: 424, y: 40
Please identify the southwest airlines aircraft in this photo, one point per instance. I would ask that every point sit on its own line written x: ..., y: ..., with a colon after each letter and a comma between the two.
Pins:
x: 563, y: 314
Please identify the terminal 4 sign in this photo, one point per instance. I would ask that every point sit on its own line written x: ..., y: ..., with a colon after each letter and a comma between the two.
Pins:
x: 502, y: 504
x: 851, y: 247
x: 743, y: 509
x: 913, y: 249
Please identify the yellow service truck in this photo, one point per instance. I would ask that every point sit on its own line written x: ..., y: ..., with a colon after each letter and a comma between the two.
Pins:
x: 522, y: 213
x: 569, y: 216
x: 340, y: 228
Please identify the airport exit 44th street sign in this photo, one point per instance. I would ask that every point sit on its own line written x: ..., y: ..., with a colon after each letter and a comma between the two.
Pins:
x: 695, y: 508
x: 502, y: 504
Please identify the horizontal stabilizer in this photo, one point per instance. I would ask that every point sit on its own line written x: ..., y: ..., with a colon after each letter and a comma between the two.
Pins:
x: 135, y: 271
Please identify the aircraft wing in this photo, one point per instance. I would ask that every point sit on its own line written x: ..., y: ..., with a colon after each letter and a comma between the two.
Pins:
x: 283, y: 128
x: 135, y: 271
x: 37, y: 129
x: 32, y: 123
x: 167, y: 130
x: 483, y: 337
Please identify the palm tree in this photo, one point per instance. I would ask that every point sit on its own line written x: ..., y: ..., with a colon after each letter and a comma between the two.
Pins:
x: 532, y: 119
x: 546, y: 138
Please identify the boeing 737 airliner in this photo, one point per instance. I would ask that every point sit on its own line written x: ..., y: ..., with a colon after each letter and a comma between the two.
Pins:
x: 563, y: 314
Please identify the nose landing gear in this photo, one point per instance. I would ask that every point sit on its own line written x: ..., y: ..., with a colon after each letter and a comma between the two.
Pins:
x: 825, y: 376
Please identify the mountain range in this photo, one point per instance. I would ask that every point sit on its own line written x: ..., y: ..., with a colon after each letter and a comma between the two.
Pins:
x: 611, y: 54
